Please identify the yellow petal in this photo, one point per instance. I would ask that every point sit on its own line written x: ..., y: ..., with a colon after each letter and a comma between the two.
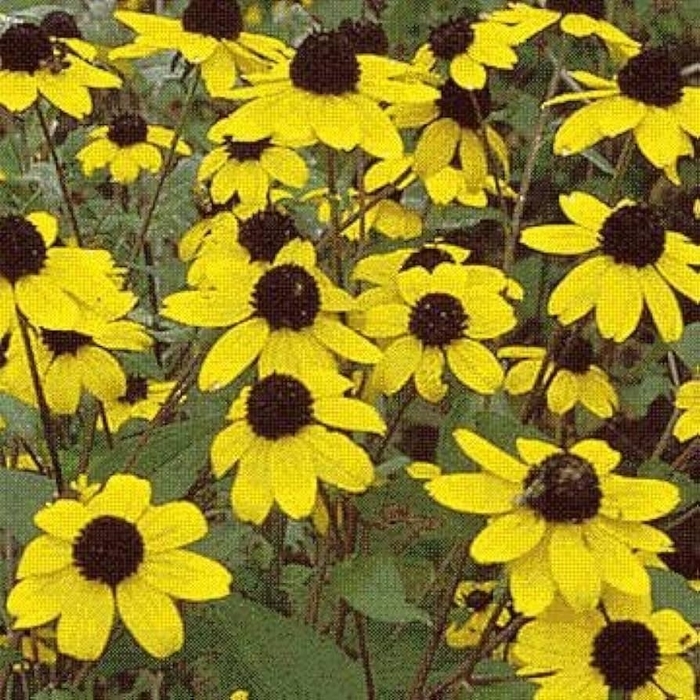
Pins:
x: 508, y: 537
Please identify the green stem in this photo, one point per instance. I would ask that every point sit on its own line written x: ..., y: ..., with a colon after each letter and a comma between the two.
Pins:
x: 60, y: 174
x: 44, y: 411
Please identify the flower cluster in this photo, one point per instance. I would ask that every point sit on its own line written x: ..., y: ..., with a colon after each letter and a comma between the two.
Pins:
x: 299, y: 247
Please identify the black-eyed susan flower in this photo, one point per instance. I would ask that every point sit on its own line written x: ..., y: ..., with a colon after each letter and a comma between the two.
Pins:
x: 579, y: 18
x: 284, y: 313
x: 635, y: 263
x: 38, y: 276
x: 688, y: 401
x: 142, y: 398
x: 285, y: 435
x: 116, y: 553
x: 209, y: 34
x: 647, y: 97
x: 561, y: 521
x: 327, y: 93
x: 571, y: 377
x: 127, y: 146
x: 455, y: 150
x: 471, y: 45
x: 439, y: 318
x: 61, y: 26
x: 591, y: 655
x: 80, y: 360
x: 475, y: 603
x: 248, y: 169
x: 34, y: 65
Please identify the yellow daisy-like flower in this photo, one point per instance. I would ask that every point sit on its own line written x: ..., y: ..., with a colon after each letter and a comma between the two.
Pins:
x: 590, y: 655
x: 472, y: 45
x: 32, y: 64
x: 560, y: 519
x: 329, y: 93
x: 454, y: 151
x: 217, y: 229
x: 141, y: 399
x: 248, y: 169
x: 570, y: 379
x: 648, y: 97
x: 210, y: 35
x: 440, y: 316
x: 635, y: 263
x: 579, y: 18
x: 688, y: 400
x: 114, y: 553
x: 284, y: 436
x: 15, y: 374
x: 80, y: 360
x: 127, y: 146
x: 284, y: 312
x: 38, y: 277
x: 475, y: 604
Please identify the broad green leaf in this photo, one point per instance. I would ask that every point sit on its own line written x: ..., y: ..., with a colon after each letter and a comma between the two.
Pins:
x: 688, y: 347
x: 22, y: 494
x: 671, y: 590
x: 373, y: 586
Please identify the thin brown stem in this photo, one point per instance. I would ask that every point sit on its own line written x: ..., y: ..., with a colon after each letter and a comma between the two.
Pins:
x: 361, y: 627
x: 60, y: 174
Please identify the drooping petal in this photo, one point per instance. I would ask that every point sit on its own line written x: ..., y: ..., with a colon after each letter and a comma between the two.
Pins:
x: 489, y: 457
x: 481, y: 493
x: 508, y: 537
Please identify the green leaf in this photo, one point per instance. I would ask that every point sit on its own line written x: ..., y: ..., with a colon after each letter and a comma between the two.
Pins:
x: 373, y: 586
x: 276, y: 657
x: 9, y: 656
x: 671, y: 590
x: 500, y: 689
x: 22, y: 494
x: 688, y: 347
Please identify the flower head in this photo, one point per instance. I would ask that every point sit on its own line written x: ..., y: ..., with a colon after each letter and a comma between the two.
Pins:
x: 114, y: 553
x: 209, y: 34
x: 648, y: 97
x: 32, y: 64
x: 475, y: 603
x: 285, y: 434
x: 688, y: 401
x: 591, y: 655
x: 560, y: 519
x: 635, y: 262
x: 127, y: 146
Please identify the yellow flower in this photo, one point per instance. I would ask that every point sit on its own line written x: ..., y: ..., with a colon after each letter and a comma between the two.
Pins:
x: 577, y: 18
x: 635, y: 262
x: 560, y: 519
x: 34, y: 64
x: 209, y: 34
x: 648, y: 97
x: 471, y: 45
x: 15, y: 375
x: 284, y: 436
x: 80, y: 360
x: 570, y: 379
x: 588, y: 656
x: 326, y: 92
x: 114, y: 553
x: 284, y: 313
x: 39, y: 278
x: 688, y: 400
x: 475, y: 604
x: 127, y: 146
x: 439, y: 318
x: 249, y: 169
x: 141, y: 399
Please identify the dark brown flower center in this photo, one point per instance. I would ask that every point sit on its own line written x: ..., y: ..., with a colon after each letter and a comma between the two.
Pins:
x: 287, y: 296
x: 574, y: 354
x: 592, y: 8
x: 633, y: 235
x: 365, y: 36
x: 325, y: 64
x: 279, y: 405
x: 451, y: 38
x: 24, y: 47
x: 64, y: 342
x: 563, y: 489
x: 127, y: 129
x: 478, y: 599
x: 627, y: 654
x: 437, y: 319
x: 652, y: 77
x: 109, y: 550
x: 245, y: 150
x: 60, y: 24
x: 265, y: 233
x: 427, y: 258
x: 136, y: 389
x: 468, y: 108
x: 22, y: 249
x: 221, y: 19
